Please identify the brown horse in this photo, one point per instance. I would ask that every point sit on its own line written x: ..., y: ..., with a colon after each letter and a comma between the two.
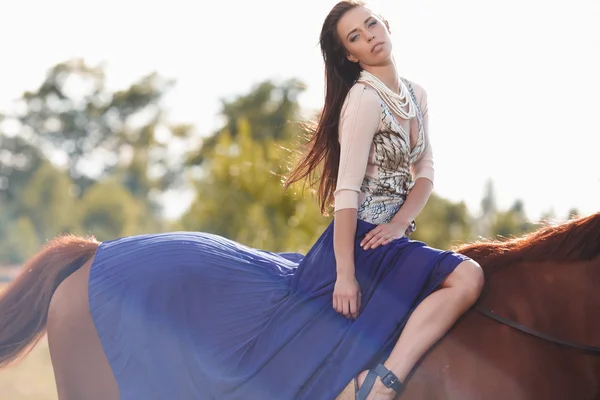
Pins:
x: 533, y: 334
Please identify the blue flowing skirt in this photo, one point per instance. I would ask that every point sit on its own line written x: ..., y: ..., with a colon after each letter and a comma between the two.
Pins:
x: 192, y: 315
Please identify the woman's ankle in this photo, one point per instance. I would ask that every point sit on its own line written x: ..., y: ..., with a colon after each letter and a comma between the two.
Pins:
x: 378, y: 386
x: 400, y: 370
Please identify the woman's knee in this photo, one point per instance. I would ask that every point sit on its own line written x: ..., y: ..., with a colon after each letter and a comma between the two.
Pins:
x: 468, y: 277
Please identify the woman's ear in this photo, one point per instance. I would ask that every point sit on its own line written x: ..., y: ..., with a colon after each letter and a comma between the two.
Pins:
x: 387, y: 25
x: 385, y: 22
x: 351, y: 58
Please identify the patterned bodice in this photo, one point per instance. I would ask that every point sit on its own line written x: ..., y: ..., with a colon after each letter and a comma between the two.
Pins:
x: 391, y: 158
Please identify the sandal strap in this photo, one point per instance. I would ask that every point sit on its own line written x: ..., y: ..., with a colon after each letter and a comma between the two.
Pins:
x: 366, y: 386
x: 388, y: 378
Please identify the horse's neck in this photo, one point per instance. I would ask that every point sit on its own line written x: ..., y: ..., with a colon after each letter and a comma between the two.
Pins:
x: 558, y: 299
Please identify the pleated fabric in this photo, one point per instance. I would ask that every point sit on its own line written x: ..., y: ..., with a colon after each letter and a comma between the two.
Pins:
x: 193, y: 315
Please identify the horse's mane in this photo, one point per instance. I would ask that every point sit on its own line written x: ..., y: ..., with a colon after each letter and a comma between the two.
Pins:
x: 574, y: 240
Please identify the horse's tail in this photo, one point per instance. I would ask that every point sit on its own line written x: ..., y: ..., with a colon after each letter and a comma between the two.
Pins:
x: 25, y: 302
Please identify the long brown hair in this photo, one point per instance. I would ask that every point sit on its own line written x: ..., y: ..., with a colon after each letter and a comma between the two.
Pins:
x: 24, y: 304
x: 340, y: 75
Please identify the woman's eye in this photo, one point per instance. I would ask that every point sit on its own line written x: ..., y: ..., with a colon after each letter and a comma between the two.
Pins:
x: 370, y: 24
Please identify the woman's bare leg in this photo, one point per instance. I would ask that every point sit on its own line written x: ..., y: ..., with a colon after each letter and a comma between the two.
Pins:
x: 429, y: 322
x: 80, y: 367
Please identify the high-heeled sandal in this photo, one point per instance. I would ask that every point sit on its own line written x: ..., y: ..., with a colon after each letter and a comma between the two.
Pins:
x: 388, y: 378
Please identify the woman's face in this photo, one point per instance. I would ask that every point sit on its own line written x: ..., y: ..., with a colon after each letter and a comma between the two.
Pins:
x: 365, y: 37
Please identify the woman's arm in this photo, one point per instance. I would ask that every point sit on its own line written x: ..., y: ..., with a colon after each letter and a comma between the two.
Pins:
x: 414, y: 203
x: 423, y: 173
x: 359, y: 121
x: 344, y: 230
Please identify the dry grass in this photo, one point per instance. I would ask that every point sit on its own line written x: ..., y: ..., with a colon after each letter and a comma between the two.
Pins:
x: 30, y: 379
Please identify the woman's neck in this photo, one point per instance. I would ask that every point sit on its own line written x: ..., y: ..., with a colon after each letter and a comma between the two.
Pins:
x: 388, y: 74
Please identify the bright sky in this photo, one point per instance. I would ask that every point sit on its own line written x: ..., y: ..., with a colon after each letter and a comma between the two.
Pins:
x: 513, y: 86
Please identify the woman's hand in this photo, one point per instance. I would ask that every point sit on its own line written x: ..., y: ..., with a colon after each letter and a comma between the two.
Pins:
x: 383, y: 234
x: 346, y: 295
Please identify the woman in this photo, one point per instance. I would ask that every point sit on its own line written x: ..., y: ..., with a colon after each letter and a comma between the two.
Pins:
x: 382, y: 174
x: 187, y: 315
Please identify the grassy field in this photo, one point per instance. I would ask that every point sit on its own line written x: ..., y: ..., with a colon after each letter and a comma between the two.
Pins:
x: 30, y: 379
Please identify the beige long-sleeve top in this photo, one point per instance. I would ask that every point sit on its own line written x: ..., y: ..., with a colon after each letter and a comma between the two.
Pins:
x: 378, y: 163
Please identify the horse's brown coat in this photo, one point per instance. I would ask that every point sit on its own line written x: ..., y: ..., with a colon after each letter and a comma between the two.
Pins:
x: 548, y: 281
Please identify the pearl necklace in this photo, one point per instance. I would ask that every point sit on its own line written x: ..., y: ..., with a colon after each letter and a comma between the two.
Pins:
x: 395, y: 101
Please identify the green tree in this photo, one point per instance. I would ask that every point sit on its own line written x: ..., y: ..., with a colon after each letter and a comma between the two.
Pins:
x: 19, y: 241
x: 512, y: 222
x: 93, y: 133
x: 268, y: 108
x: 443, y: 224
x: 241, y: 196
x: 483, y: 223
x: 488, y: 203
x: 43, y: 209
x: 72, y: 134
x: 240, y: 193
x: 19, y: 159
x: 573, y: 213
x: 48, y: 201
x: 114, y: 215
